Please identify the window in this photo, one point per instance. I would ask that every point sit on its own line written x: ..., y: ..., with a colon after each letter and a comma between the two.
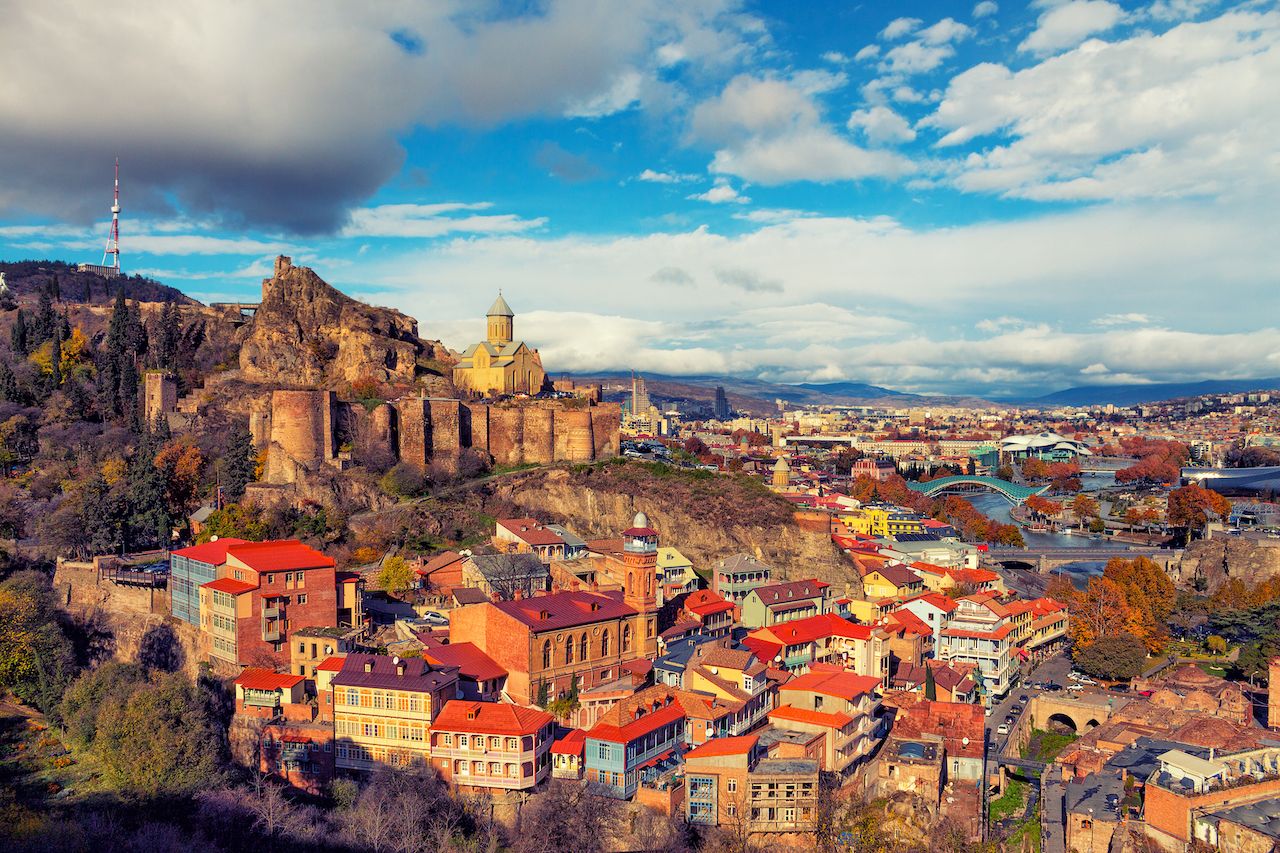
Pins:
x: 604, y: 752
x: 732, y: 787
x: 626, y: 638
x: 513, y: 743
x: 271, y: 579
x: 568, y: 650
x: 300, y: 578
x: 604, y: 643
x: 448, y: 739
x: 302, y: 599
x: 582, y: 648
x: 462, y: 740
x: 732, y: 810
x: 546, y: 655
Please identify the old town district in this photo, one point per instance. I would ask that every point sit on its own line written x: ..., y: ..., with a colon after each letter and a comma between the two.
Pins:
x: 723, y: 693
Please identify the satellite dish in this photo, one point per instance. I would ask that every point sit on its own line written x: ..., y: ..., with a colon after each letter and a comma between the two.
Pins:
x: 213, y: 538
x: 964, y: 741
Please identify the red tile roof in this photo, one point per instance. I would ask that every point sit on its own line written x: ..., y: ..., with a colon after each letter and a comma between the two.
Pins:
x: 704, y: 602
x: 843, y: 685
x: 333, y: 664
x: 658, y: 706
x: 910, y: 623
x: 741, y: 745
x: 944, y: 603
x: 497, y: 718
x: 213, y: 553
x: 265, y: 679
x: 959, y: 723
x: 810, y: 629
x: 973, y: 576
x: 230, y: 585
x: 279, y: 555
x: 998, y: 634
x: 566, y: 609
x: 440, y: 561
x: 637, y: 532
x: 802, y: 715
x: 764, y: 650
x: 530, y: 531
x: 468, y: 658
x: 571, y: 744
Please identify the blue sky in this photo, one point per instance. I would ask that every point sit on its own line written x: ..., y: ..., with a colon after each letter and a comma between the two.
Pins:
x: 1000, y: 197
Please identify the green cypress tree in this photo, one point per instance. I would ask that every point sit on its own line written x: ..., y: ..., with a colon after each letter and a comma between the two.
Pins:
x: 55, y: 358
x: 240, y: 465
x: 149, y: 520
x: 46, y: 321
x: 930, y: 686
x: 8, y: 383
x: 19, y: 337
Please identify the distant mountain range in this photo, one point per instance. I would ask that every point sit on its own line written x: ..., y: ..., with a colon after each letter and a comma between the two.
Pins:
x: 1129, y: 395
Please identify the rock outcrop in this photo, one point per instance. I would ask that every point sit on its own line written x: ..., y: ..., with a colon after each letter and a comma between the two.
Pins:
x: 1221, y: 558
x: 306, y: 333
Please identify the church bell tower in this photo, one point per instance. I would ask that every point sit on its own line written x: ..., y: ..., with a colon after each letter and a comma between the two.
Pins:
x: 501, y: 322
x: 640, y: 557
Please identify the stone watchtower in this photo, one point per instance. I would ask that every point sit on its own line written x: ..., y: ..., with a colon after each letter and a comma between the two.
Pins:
x: 640, y: 556
x: 501, y: 322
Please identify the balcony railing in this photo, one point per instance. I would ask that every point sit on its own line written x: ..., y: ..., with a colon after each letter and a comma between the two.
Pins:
x: 271, y: 612
x: 271, y: 635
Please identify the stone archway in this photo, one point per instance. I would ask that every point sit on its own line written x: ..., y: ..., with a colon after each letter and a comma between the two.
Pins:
x: 1064, y: 722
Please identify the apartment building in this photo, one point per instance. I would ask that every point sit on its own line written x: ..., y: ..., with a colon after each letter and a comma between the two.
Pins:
x: 383, y: 708
x: 528, y: 536
x: 796, y: 646
x: 841, y: 706
x: 731, y: 782
x: 733, y: 577
x: 190, y: 569
x: 492, y: 745
x: 784, y: 602
x: 639, y: 733
x: 979, y: 635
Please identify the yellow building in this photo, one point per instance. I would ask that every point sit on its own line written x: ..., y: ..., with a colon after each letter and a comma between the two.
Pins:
x: 383, y: 708
x: 882, y: 521
x: 891, y: 581
x: 500, y: 364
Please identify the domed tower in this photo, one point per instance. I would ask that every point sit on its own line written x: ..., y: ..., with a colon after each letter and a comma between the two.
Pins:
x: 501, y: 322
x: 781, y: 473
x: 640, y: 590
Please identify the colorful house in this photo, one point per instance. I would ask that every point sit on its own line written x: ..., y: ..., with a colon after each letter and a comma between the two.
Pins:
x: 730, y: 781
x: 784, y: 602
x: 492, y: 745
x: 643, y: 734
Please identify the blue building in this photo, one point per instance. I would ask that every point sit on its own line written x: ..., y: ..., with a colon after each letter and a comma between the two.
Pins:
x: 190, y: 568
x: 669, y: 668
x: 639, y: 738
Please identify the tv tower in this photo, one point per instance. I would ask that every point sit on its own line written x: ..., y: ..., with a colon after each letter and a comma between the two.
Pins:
x: 112, y: 250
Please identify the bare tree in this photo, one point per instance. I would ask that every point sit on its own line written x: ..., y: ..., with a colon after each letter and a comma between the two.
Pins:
x: 569, y: 816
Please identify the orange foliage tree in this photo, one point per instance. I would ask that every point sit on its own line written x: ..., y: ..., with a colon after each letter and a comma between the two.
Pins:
x: 1191, y: 506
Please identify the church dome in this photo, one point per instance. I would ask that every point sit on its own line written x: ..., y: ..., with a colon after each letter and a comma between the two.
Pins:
x: 500, y: 308
x: 640, y: 521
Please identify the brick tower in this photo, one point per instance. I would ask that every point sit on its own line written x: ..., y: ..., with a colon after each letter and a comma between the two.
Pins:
x: 640, y: 557
x: 1273, y: 694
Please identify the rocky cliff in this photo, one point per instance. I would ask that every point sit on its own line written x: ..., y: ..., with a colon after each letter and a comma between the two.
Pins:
x: 706, y: 518
x: 307, y: 333
x: 1221, y: 558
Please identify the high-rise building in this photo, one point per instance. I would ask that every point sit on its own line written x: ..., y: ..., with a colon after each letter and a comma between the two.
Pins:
x: 721, y: 408
x: 639, y: 396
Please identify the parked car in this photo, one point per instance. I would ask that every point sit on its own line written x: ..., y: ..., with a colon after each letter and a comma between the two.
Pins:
x: 1023, y: 698
x: 1003, y: 730
x: 1076, y: 688
x: 1053, y: 687
x: 1119, y: 688
x: 1016, y: 710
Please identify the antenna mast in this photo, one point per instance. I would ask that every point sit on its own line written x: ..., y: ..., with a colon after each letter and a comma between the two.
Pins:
x: 112, y: 250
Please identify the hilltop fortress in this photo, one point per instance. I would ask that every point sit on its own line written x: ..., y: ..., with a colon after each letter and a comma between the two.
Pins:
x: 306, y: 347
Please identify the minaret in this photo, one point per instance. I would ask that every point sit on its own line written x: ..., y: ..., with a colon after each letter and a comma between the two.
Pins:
x: 640, y: 590
x: 501, y: 322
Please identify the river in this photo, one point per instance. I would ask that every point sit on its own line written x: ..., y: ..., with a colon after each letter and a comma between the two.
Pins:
x: 998, y: 508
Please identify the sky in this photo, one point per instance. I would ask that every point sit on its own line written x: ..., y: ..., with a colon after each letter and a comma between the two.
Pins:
x: 999, y: 197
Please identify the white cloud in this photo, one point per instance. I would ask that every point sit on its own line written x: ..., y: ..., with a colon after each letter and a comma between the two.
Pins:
x: 730, y: 285
x: 900, y: 27
x: 985, y: 9
x: 654, y: 177
x: 835, y: 57
x: 907, y: 95
x: 1070, y: 23
x: 946, y: 30
x: 1095, y: 369
x: 622, y: 94
x: 1132, y: 318
x: 881, y: 124
x: 427, y: 220
x: 871, y: 51
x: 769, y: 131
x: 1177, y: 10
x: 722, y: 193
x: 818, y: 82
x: 1190, y: 112
x: 916, y: 57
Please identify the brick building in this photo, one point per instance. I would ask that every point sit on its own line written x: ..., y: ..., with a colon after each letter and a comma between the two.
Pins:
x: 840, y: 705
x: 492, y: 745
x: 731, y: 782
x: 383, y: 708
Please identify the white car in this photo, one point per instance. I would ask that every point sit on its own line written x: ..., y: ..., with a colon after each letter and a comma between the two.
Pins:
x: 1076, y: 688
x: 1002, y: 730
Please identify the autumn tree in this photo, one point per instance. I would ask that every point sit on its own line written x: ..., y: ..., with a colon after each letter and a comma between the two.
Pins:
x: 1191, y: 507
x: 1100, y: 610
x: 1149, y: 595
x: 396, y: 575
x: 1084, y: 508
x: 181, y: 464
x: 37, y: 660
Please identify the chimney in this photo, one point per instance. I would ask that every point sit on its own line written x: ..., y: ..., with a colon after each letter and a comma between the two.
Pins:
x: 519, y: 594
x: 595, y: 584
x: 495, y: 596
x: 575, y: 584
x: 368, y: 666
x: 555, y: 587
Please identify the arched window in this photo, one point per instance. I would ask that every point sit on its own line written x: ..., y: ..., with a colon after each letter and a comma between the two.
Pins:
x: 582, y: 648
x: 631, y: 582
x: 568, y: 650
x: 546, y: 655
x: 626, y: 638
x: 648, y: 582
x: 604, y: 643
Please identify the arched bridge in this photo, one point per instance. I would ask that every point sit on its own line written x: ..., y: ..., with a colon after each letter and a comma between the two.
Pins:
x: 966, y: 484
x: 1046, y: 559
x: 1078, y: 714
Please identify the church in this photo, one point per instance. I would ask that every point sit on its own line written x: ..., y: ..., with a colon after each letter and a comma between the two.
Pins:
x: 500, y: 365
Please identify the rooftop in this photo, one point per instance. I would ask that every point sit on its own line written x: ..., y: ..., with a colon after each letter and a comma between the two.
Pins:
x: 384, y: 671
x: 279, y: 555
x: 490, y: 718
x: 266, y: 679
x: 844, y: 685
x: 472, y: 663
x: 213, y: 553
x: 565, y: 609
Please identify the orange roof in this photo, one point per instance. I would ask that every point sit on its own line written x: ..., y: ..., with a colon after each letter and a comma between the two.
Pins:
x: 489, y: 718
x: 229, y: 585
x: 279, y: 555
x: 975, y: 576
x: 704, y: 602
x: 620, y: 725
x: 333, y: 664
x: 214, y: 553
x: 910, y: 623
x: 810, y: 629
x: 743, y: 744
x: 818, y: 718
x: 265, y: 679
x: 470, y: 660
x: 531, y: 531
x: 998, y: 634
x: 844, y: 685
x: 944, y: 603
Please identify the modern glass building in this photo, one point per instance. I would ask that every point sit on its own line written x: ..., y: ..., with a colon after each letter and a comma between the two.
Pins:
x: 191, y: 567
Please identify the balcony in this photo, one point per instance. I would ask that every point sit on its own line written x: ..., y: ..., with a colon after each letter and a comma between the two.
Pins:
x: 272, y: 612
x: 262, y: 698
x: 271, y: 634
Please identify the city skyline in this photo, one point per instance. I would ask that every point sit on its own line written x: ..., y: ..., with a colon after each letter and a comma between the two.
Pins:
x: 943, y: 198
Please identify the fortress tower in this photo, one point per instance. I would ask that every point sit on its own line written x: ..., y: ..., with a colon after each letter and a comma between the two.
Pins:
x: 640, y: 590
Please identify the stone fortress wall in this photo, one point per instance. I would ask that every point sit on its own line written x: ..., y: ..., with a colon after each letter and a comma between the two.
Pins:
x: 305, y: 429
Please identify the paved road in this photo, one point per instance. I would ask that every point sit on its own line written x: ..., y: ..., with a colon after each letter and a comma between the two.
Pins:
x: 1053, y: 814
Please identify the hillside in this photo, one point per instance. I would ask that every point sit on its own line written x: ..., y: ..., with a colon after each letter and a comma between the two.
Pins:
x: 26, y: 279
x: 1129, y: 395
